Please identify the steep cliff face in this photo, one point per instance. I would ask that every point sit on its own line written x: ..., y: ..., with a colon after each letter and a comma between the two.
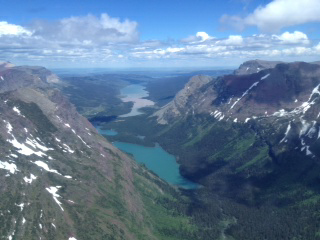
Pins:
x: 179, y: 106
x: 59, y: 179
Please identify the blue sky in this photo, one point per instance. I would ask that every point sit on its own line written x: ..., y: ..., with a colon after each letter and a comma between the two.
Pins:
x: 153, y: 33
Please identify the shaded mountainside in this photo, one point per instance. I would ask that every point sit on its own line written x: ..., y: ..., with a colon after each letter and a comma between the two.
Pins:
x: 248, y: 136
x: 253, y: 139
x: 59, y: 179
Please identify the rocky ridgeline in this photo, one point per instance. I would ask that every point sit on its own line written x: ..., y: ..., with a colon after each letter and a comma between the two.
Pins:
x: 59, y: 179
x: 284, y: 95
x: 254, y: 66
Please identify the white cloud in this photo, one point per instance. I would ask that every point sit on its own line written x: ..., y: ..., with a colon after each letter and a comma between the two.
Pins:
x: 110, y: 42
x: 233, y: 40
x: 203, y: 35
x: 199, y: 37
x: 12, y: 29
x: 265, y: 46
x: 292, y: 38
x: 278, y: 14
x: 87, y: 30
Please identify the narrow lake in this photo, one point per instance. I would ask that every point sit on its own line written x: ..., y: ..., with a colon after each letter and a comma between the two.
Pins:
x: 135, y: 93
x: 155, y: 158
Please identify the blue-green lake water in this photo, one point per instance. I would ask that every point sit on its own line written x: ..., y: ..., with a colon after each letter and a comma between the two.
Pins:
x: 159, y: 161
x: 155, y: 158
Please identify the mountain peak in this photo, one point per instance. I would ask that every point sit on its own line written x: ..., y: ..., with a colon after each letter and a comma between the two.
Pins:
x: 15, y: 77
x: 254, y: 66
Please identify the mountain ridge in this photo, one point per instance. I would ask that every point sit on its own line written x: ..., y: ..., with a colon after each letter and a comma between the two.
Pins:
x: 59, y: 178
x: 256, y: 121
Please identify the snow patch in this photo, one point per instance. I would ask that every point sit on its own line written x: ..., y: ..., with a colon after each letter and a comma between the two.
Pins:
x: 17, y: 111
x: 280, y: 113
x: 68, y: 148
x: 304, y: 128
x: 8, y: 126
x: 222, y: 117
x: 245, y: 93
x: 21, y: 206
x: 312, y: 130
x: 11, y: 167
x: 83, y: 141
x: 23, y: 149
x: 29, y: 180
x: 46, y: 167
x: 308, y: 152
x: 53, y: 191
x: 264, y: 77
x: 36, y: 144
x: 286, y: 133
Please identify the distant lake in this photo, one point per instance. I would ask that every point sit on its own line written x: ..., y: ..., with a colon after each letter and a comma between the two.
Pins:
x: 159, y: 161
x: 135, y: 93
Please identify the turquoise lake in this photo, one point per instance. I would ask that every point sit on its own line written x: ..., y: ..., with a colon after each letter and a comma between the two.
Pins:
x: 155, y: 158
x: 159, y: 161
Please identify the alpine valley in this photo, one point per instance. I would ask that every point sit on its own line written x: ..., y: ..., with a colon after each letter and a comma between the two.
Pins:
x: 60, y: 179
x: 250, y: 140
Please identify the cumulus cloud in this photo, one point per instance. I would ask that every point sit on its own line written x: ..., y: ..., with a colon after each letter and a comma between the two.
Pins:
x: 199, y: 37
x: 233, y: 40
x: 103, y: 41
x: 277, y: 15
x: 12, y: 29
x: 292, y: 38
x: 256, y: 46
x: 87, y: 30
